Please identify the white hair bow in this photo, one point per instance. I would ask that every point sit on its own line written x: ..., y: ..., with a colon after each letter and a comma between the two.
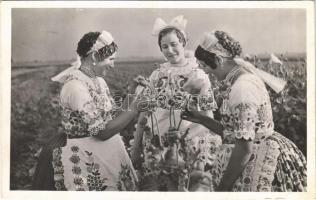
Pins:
x: 178, y: 22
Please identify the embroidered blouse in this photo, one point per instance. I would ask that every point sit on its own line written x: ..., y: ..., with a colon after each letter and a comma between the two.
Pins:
x: 246, y: 109
x: 169, y: 81
x: 86, y: 105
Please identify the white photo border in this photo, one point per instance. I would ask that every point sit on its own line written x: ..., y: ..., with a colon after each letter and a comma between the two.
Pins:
x: 5, y: 98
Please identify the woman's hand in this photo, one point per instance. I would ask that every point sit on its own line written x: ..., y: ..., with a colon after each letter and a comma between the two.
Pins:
x: 138, y: 81
x: 194, y: 84
x: 240, y: 156
x: 201, y: 118
x: 131, y: 88
x: 140, y: 104
x: 200, y: 181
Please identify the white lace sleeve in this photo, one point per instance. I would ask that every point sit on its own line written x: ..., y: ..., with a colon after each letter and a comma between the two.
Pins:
x: 153, y: 78
x: 76, y: 97
x: 244, y: 105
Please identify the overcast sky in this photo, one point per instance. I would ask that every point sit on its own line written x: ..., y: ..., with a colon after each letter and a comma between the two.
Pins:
x: 53, y: 33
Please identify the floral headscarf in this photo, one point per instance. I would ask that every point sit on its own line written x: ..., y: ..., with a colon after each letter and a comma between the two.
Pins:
x: 220, y: 43
x: 104, y: 39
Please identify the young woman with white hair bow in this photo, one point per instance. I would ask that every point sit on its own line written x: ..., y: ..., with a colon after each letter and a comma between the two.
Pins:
x: 253, y: 157
x: 169, y: 83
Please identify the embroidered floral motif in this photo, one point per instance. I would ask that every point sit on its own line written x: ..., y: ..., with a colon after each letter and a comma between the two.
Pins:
x: 245, y: 119
x: 76, y: 170
x: 94, y: 180
x: 168, y: 84
x: 126, y: 181
x: 202, y: 147
x: 163, y: 162
x: 275, y: 163
x: 58, y: 170
x: 93, y: 116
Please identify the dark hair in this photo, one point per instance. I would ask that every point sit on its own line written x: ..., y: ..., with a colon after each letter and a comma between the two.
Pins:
x: 88, y: 40
x: 206, y: 56
x: 168, y: 30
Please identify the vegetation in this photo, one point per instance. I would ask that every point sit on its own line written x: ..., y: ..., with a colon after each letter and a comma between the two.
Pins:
x: 35, y: 116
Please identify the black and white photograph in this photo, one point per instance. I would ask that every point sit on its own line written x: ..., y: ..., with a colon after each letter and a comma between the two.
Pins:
x: 188, y: 99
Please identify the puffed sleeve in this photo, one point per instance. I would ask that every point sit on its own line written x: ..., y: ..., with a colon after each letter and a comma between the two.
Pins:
x: 244, y: 103
x: 206, y: 95
x: 75, y: 96
x: 153, y: 78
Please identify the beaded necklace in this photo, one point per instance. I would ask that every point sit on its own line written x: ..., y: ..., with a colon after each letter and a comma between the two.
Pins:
x: 91, y: 74
x: 231, y: 77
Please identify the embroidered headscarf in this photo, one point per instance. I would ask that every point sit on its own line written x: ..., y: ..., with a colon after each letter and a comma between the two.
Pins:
x: 221, y: 44
x: 104, y: 39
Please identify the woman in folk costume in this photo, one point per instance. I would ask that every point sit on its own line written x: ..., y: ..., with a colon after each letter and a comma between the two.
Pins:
x: 152, y: 149
x: 253, y: 157
x: 94, y: 157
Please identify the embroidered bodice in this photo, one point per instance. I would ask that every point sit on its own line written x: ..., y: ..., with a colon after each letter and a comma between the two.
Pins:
x: 197, y: 143
x: 246, y: 108
x: 168, y: 82
x: 86, y: 105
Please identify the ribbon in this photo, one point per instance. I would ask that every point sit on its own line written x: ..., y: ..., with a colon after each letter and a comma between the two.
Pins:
x: 62, y: 76
x: 274, y: 82
x: 178, y: 22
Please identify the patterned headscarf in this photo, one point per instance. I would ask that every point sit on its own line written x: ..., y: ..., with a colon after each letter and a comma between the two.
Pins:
x: 103, y: 40
x: 220, y: 43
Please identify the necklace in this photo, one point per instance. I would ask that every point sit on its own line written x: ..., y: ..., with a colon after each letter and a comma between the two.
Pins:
x: 226, y: 84
x: 232, y: 75
x: 87, y: 71
x: 90, y: 73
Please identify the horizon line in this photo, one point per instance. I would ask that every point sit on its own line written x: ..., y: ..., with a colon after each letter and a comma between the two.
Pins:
x: 132, y: 58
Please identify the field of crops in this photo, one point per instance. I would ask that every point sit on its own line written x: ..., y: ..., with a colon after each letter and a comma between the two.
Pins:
x: 35, y: 117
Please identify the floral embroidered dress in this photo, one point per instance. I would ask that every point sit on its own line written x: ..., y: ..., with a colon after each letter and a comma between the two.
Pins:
x: 276, y: 164
x: 86, y: 163
x: 200, y: 143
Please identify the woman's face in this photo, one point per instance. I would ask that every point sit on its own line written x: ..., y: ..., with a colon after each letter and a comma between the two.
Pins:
x: 101, y: 67
x: 207, y: 69
x: 171, y: 48
x: 219, y: 71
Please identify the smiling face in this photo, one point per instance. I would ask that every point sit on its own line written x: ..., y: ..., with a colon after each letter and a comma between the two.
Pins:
x: 101, y: 67
x: 172, y: 48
